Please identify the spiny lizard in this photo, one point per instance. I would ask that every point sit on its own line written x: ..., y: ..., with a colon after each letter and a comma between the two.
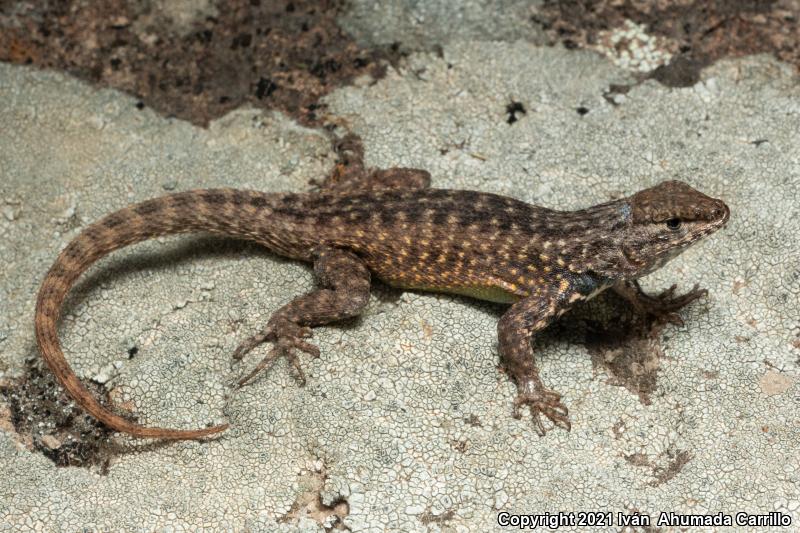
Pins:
x: 389, y: 224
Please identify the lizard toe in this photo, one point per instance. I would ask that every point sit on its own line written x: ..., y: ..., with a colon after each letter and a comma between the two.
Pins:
x: 247, y: 345
x: 667, y: 293
x: 267, y: 361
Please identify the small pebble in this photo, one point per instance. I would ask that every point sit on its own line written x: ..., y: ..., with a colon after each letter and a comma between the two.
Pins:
x: 51, y: 442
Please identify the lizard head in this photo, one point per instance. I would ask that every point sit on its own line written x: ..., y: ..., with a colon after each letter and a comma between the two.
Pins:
x: 664, y: 220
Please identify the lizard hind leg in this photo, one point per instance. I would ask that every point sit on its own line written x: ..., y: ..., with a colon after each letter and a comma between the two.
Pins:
x: 343, y: 292
x: 356, y: 178
x: 350, y: 175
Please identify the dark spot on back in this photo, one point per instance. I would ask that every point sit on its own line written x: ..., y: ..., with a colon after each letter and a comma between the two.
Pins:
x: 505, y: 223
x: 412, y: 212
x: 147, y: 208
x: 440, y: 218
x: 388, y: 216
x: 181, y: 200
x: 239, y: 198
x: 258, y: 201
x: 497, y: 204
x: 114, y: 220
x: 214, y: 197
x: 486, y: 227
x: 471, y: 217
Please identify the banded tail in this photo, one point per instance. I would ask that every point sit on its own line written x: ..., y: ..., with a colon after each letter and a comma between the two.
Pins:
x: 230, y: 212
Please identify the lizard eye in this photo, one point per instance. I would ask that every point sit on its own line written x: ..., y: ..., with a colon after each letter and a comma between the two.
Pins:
x: 674, y: 223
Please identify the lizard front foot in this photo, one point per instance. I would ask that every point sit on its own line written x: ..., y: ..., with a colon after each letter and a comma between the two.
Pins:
x: 287, y: 337
x: 664, y: 305
x: 541, y: 401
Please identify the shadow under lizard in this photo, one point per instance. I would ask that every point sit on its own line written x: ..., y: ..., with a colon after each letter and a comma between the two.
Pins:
x: 390, y: 224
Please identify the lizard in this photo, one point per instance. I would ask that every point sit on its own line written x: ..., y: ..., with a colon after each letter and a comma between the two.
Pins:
x: 392, y: 225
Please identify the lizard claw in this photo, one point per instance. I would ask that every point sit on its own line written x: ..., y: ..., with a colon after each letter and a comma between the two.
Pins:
x: 287, y: 337
x: 542, y: 401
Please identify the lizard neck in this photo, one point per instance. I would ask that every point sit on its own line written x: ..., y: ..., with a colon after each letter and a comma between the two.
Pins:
x: 593, y: 241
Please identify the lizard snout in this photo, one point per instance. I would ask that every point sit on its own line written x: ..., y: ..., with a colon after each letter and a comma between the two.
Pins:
x: 721, y: 212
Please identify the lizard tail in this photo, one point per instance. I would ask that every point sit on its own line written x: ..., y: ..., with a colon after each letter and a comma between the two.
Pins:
x: 202, y: 210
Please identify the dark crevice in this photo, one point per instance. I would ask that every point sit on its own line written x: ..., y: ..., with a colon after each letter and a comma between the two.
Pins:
x: 272, y: 55
x: 699, y: 33
x: 48, y: 421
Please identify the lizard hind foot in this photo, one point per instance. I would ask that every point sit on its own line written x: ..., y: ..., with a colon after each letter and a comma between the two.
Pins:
x: 287, y: 338
x: 542, y: 401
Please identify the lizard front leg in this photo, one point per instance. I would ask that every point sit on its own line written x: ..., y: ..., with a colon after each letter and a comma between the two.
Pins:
x: 663, y: 306
x: 514, y: 331
x: 343, y: 292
